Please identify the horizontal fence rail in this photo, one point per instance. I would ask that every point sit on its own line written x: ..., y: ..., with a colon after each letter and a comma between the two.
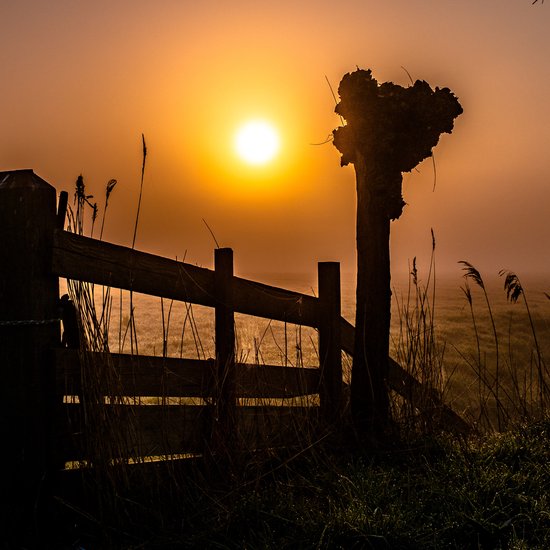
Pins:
x: 86, y: 259
x: 141, y: 376
x: 408, y: 387
x: 140, y: 431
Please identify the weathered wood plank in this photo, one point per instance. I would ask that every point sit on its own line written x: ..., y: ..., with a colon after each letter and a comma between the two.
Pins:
x: 347, y: 336
x: 73, y: 484
x: 261, y: 426
x: 261, y: 300
x: 408, y: 387
x: 62, y: 209
x: 272, y: 381
x: 86, y: 259
x: 330, y: 346
x: 131, y: 375
x: 133, y: 431
x: 29, y: 328
x: 134, y: 375
x: 225, y: 398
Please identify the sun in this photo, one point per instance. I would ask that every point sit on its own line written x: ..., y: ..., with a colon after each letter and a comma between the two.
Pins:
x: 257, y: 142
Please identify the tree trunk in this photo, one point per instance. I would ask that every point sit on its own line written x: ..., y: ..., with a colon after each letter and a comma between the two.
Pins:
x: 369, y: 394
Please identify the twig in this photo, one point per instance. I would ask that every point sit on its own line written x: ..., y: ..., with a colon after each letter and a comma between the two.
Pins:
x: 211, y: 233
x: 140, y: 189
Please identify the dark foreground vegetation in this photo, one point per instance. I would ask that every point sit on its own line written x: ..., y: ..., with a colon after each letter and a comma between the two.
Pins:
x: 441, y: 492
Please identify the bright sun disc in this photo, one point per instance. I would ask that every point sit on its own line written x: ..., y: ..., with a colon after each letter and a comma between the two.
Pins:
x: 257, y: 142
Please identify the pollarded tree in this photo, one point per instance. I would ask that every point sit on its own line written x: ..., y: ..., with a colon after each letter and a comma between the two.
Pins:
x: 389, y: 130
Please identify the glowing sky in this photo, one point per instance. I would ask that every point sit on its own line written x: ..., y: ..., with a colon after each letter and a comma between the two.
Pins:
x: 82, y: 80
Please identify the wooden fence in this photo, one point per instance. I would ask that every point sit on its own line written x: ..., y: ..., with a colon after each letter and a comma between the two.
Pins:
x: 45, y: 431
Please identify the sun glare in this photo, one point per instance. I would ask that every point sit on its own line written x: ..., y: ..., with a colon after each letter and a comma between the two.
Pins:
x: 257, y: 142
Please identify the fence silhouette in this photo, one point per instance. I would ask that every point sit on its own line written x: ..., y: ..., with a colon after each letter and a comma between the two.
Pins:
x: 44, y: 431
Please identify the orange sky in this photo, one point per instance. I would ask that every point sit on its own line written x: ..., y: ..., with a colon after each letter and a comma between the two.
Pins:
x: 82, y: 80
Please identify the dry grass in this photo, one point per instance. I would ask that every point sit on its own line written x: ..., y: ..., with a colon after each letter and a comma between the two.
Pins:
x: 508, y: 392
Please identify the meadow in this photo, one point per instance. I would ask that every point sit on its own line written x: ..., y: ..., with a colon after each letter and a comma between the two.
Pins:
x: 485, y: 353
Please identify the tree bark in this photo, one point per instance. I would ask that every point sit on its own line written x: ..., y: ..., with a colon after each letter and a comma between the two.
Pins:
x: 369, y: 394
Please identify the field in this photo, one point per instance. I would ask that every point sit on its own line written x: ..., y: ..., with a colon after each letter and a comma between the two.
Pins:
x: 487, y: 358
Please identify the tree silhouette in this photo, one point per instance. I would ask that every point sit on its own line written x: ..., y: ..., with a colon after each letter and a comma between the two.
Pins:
x: 389, y: 130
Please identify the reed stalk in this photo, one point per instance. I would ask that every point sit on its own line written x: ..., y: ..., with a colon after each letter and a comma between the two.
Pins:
x: 514, y: 290
x: 470, y: 272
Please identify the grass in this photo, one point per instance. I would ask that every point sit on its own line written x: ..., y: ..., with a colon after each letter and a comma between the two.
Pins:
x: 417, y: 348
x: 442, y: 494
x: 492, y: 492
x: 508, y: 391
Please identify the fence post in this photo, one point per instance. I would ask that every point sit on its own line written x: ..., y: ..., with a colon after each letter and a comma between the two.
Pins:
x: 330, y: 354
x: 225, y: 413
x: 29, y: 328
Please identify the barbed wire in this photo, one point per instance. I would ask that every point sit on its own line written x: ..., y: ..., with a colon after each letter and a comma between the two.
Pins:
x: 28, y: 322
